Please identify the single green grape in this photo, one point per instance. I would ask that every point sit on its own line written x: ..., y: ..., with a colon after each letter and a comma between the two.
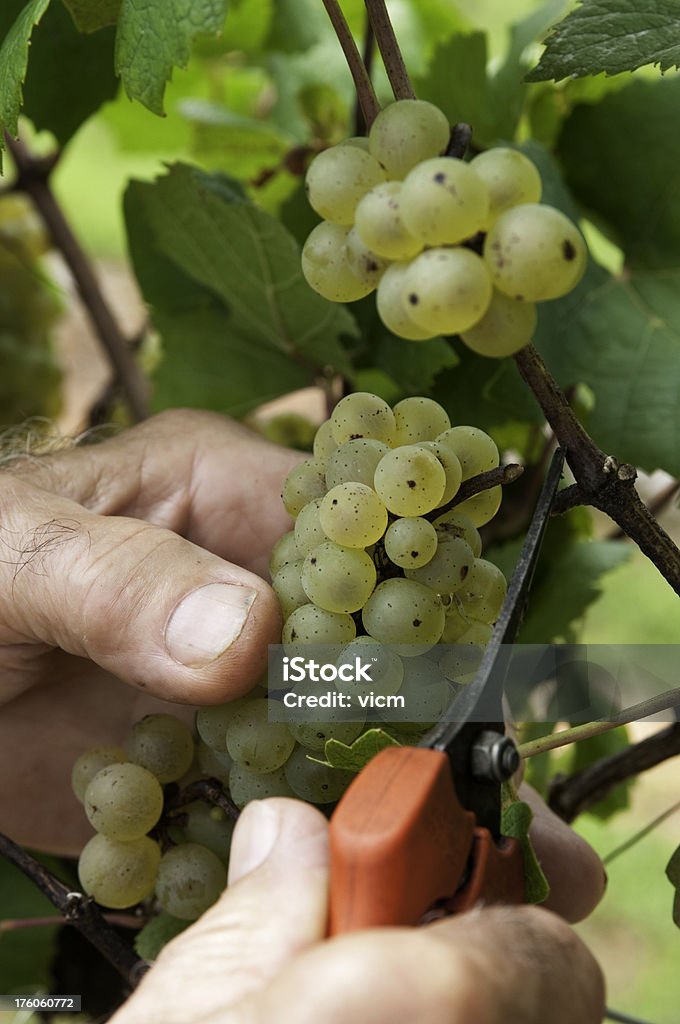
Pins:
x: 444, y: 202
x: 410, y: 480
x: 315, y: 782
x: 353, y: 515
x: 406, y: 133
x: 308, y: 529
x: 285, y: 550
x: 535, y: 253
x: 482, y: 507
x: 392, y: 309
x: 312, y: 625
x: 511, y: 180
x: 447, y: 290
x: 123, y: 801
x: 305, y: 482
x: 451, y: 466
x: 419, y: 419
x: 324, y: 443
x: 314, y: 735
x: 256, y: 742
x: 337, y: 578
x: 455, y: 523
x: 410, y: 542
x: 163, y: 745
x: 405, y: 612
x: 362, y: 414
x: 426, y: 694
x: 506, y: 327
x: 210, y: 827
x: 355, y: 462
x: 386, y: 668
x: 476, y: 451
x: 91, y: 762
x: 446, y: 571
x: 246, y: 785
x: 380, y: 226
x: 338, y: 178
x: 118, y: 874
x: 287, y: 585
x: 483, y: 592
x: 190, y: 879
x: 326, y: 267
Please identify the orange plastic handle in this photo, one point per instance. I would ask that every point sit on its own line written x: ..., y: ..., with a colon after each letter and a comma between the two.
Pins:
x: 496, y: 874
x: 400, y: 841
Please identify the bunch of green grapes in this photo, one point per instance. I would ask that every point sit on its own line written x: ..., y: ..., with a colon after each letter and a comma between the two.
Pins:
x: 28, y: 310
x: 402, y: 218
x: 379, y: 564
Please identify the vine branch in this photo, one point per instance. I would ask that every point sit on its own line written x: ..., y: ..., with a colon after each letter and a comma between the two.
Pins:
x: 362, y: 82
x: 563, y: 738
x: 79, y: 911
x: 570, y: 796
x: 33, y: 178
x: 389, y: 50
x: 600, y: 480
x: 501, y: 476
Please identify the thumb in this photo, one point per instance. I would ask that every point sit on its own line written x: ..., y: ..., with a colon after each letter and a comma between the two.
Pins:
x: 274, y: 907
x: 140, y: 601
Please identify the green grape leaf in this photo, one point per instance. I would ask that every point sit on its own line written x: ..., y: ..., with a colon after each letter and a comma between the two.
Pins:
x: 26, y: 954
x: 17, y: 21
x: 91, y: 15
x: 156, y: 933
x: 154, y: 36
x: 239, y: 324
x: 612, y: 36
x: 240, y: 145
x: 566, y: 580
x: 605, y: 172
x: 355, y: 757
x: 515, y: 823
x: 86, y: 76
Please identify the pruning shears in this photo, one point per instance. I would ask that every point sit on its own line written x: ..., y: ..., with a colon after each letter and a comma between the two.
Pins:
x: 419, y: 829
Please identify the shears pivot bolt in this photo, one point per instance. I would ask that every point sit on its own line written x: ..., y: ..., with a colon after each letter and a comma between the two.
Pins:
x: 495, y: 758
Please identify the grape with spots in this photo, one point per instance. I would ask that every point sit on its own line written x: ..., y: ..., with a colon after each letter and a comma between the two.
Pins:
x: 410, y: 542
x: 380, y: 226
x: 161, y: 744
x: 256, y: 742
x: 338, y: 178
x: 410, y: 480
x: 447, y: 290
x: 337, y: 578
x: 190, y: 879
x: 118, y: 874
x: 354, y: 515
x: 443, y: 202
x: 123, y: 801
x: 406, y: 133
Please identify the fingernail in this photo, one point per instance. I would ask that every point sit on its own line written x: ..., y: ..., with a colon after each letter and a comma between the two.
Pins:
x: 254, y: 837
x: 206, y: 622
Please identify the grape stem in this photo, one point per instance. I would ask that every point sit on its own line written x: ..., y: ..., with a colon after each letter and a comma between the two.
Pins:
x: 209, y: 790
x: 362, y: 82
x: 601, y: 481
x: 389, y: 49
x: 502, y: 475
x: 33, y: 178
x: 652, y: 706
x: 570, y: 796
x: 79, y: 911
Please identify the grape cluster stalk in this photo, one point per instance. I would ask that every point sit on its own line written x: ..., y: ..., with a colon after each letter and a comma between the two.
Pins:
x: 406, y: 221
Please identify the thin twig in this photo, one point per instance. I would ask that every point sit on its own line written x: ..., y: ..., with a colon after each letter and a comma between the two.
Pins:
x: 600, y: 480
x: 78, y: 910
x: 570, y: 796
x: 501, y: 476
x: 209, y: 790
x: 33, y: 179
x: 563, y: 738
x: 635, y: 839
x: 362, y: 82
x: 367, y: 55
x: 389, y: 49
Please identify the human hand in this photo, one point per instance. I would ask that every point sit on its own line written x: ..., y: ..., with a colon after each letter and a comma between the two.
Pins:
x: 99, y: 545
x: 258, y: 955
